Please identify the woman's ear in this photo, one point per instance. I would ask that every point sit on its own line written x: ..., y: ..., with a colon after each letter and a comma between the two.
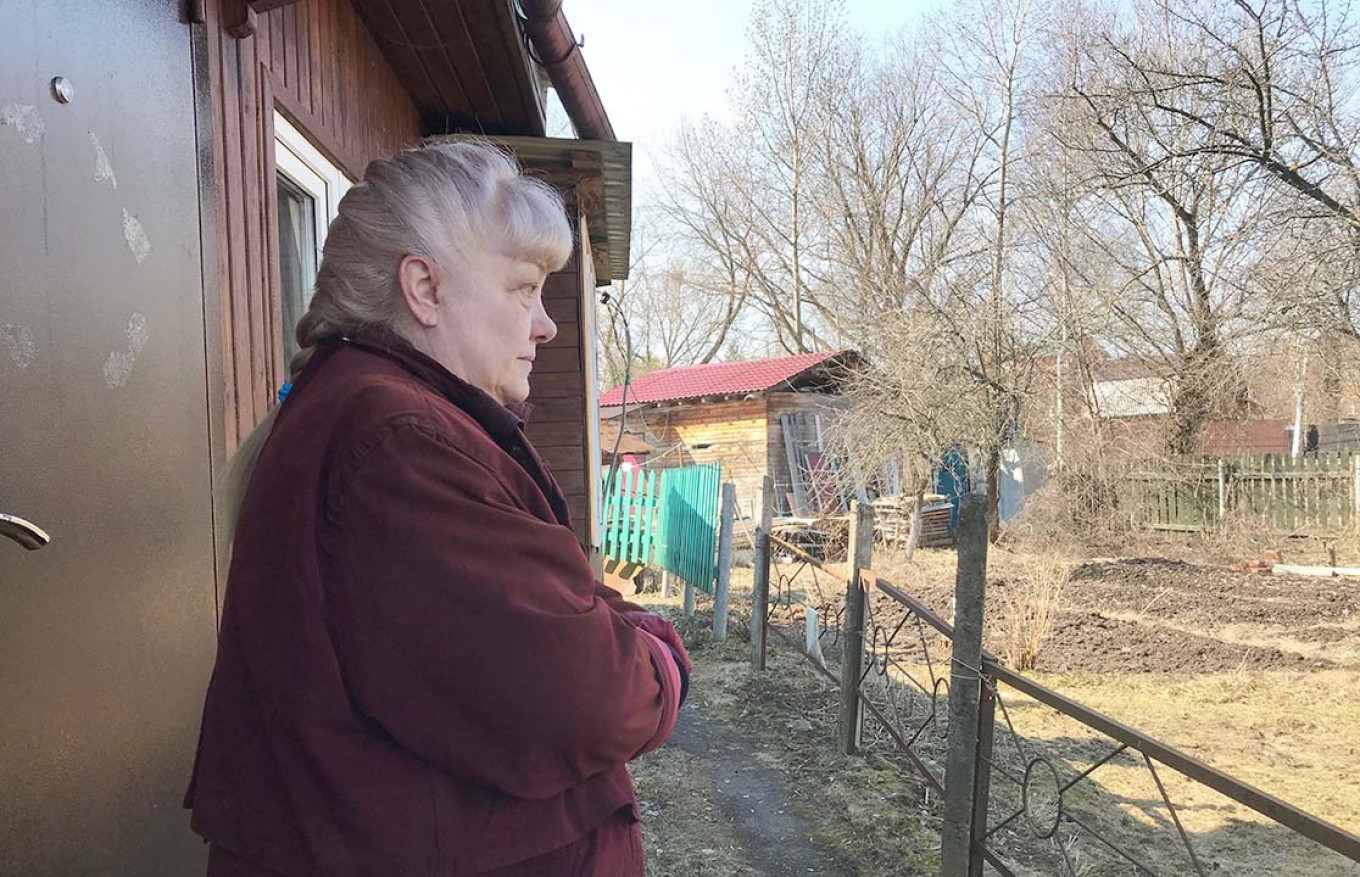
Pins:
x: 420, y: 289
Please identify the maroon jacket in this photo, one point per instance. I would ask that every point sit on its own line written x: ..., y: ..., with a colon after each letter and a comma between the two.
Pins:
x: 417, y: 672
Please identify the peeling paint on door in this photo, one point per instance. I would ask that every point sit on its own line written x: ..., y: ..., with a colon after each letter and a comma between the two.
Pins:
x: 102, y: 169
x: 19, y: 344
x: 120, y: 363
x: 25, y: 119
x: 136, y: 238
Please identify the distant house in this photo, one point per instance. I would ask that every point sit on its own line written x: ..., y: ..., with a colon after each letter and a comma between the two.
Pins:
x: 1135, y: 398
x: 631, y: 448
x: 755, y: 417
x: 1130, y: 387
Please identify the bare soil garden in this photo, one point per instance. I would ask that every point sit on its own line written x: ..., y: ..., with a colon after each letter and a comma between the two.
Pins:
x: 1253, y: 673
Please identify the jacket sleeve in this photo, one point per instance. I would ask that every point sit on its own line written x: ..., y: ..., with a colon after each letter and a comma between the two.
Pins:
x: 473, y: 632
x: 614, y: 599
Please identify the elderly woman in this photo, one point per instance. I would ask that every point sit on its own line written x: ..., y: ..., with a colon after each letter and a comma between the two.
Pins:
x: 417, y: 671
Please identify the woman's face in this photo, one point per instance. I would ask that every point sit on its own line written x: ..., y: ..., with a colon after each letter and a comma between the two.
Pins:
x: 486, y: 322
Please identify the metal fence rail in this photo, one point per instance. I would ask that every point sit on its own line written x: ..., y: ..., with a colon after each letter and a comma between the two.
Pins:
x: 1039, y: 806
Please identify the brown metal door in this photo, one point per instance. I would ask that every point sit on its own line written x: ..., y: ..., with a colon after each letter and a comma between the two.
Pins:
x: 107, y: 633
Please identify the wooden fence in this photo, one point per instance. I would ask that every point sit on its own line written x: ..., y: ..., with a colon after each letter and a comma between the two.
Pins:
x: 667, y: 518
x: 630, y: 516
x: 687, y: 538
x: 1313, y: 495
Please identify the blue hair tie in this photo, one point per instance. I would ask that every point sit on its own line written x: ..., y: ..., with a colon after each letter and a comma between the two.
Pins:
x: 285, y: 390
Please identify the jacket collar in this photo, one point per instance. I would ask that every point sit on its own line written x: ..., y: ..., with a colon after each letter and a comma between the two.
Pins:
x: 503, y: 422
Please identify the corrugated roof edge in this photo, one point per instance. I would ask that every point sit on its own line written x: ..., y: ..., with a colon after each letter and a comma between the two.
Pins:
x: 742, y: 377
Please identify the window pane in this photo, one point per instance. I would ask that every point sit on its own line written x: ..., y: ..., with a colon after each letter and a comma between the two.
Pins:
x: 297, y: 258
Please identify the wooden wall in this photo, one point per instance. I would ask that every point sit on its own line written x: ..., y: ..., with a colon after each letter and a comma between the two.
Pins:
x: 792, y: 403
x: 316, y: 62
x: 558, y: 418
x: 737, y: 432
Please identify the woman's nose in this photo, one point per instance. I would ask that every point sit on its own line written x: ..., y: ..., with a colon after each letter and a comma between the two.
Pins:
x: 543, y: 328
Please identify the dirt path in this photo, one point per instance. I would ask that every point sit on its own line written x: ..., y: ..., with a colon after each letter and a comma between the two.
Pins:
x: 753, y: 800
x: 751, y: 784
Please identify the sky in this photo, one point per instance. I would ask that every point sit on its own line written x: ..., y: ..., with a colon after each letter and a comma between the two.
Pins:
x: 655, y: 62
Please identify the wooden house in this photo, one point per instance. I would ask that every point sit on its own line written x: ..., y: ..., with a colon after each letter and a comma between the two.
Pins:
x: 168, y: 171
x: 756, y: 417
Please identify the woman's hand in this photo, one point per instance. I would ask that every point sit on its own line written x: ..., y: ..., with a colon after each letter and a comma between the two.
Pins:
x: 662, y: 630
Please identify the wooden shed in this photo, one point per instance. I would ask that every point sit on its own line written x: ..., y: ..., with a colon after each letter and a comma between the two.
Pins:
x: 168, y: 171
x: 755, y: 417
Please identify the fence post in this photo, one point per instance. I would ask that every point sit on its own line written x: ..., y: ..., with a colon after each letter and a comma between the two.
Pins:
x: 1222, y: 490
x: 852, y: 637
x: 689, y: 599
x: 722, y: 588
x: 665, y: 583
x: 760, y: 578
x: 970, y: 592
x: 982, y: 782
x: 1355, y: 487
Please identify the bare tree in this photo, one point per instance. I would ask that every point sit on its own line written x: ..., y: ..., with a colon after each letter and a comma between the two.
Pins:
x: 1178, y: 225
x: 682, y: 321
x: 1022, y: 190
x: 1267, y: 86
x: 745, y: 191
x: 675, y: 309
x: 897, y: 180
x: 991, y: 46
x: 1060, y: 255
x: 953, y: 329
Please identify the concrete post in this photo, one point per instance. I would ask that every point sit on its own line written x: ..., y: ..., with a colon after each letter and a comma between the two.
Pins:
x: 970, y: 593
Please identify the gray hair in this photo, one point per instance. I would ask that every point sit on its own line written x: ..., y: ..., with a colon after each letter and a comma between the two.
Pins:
x: 444, y: 202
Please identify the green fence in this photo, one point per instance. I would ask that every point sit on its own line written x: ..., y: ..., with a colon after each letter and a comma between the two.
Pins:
x: 630, y: 516
x: 667, y: 518
x: 1179, y: 496
x: 687, y: 537
x: 1315, y: 495
x: 1307, y: 495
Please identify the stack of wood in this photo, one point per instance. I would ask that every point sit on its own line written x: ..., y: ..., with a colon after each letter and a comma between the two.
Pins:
x: 892, y: 520
x: 824, y: 537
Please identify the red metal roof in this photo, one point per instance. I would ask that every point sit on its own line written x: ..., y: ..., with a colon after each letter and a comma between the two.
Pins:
x: 716, y: 379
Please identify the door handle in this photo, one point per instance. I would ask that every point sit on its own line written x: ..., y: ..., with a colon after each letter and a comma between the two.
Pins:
x: 26, y: 533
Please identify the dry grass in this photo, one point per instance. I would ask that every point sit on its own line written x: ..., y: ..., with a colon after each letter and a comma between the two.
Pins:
x: 871, y: 811
x: 1029, y: 605
x: 1293, y: 733
x: 1241, y: 537
x: 1076, y: 510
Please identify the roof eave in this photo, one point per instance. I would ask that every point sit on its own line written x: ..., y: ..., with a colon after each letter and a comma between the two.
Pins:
x: 602, y: 173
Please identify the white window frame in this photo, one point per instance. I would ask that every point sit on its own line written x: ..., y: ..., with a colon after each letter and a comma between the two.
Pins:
x: 305, y: 167
x: 594, y: 473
